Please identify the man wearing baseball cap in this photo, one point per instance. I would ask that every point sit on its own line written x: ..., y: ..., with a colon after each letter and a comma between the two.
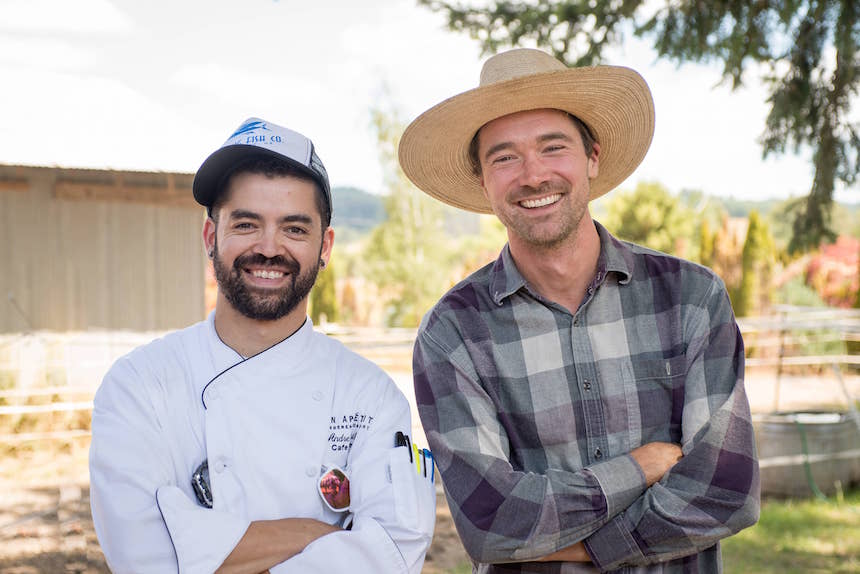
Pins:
x: 583, y: 396
x: 249, y: 442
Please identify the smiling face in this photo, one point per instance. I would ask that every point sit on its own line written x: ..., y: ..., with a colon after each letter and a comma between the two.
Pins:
x: 536, y: 174
x: 267, y: 245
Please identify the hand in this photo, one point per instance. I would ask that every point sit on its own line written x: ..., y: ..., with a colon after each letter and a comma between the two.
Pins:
x: 270, y: 542
x: 656, y: 458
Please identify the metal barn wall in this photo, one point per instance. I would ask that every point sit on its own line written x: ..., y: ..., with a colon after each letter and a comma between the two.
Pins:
x: 77, y: 262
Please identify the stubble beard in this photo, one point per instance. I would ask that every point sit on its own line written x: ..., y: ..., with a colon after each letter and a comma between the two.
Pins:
x: 263, y: 304
x: 549, y: 234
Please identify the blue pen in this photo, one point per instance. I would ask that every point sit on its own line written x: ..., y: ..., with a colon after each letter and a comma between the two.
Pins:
x: 428, y: 454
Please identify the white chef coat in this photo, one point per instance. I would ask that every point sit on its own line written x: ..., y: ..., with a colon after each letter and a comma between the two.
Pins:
x: 270, y: 426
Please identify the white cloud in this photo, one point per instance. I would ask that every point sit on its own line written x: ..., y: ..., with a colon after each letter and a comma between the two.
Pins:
x: 160, y: 84
x: 44, y: 53
x: 80, y: 17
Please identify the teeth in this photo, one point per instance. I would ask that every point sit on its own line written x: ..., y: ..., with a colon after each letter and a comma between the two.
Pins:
x: 267, y: 274
x: 532, y: 203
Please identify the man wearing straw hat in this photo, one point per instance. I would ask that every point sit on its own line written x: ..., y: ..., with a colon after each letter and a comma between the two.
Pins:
x: 583, y: 396
x: 249, y: 442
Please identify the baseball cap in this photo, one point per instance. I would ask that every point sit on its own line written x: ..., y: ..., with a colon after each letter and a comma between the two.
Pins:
x: 257, y: 137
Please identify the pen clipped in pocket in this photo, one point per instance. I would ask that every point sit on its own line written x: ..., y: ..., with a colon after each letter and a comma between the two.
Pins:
x: 412, y: 479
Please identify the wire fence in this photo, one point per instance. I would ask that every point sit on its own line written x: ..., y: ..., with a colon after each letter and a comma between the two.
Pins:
x: 44, y: 374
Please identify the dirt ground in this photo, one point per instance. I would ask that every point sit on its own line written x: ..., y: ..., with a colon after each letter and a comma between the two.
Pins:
x: 46, y: 527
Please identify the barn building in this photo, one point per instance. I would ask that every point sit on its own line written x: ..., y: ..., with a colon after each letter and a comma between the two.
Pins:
x: 85, y: 249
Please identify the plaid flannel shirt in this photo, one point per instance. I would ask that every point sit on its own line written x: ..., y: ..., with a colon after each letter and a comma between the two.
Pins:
x: 531, y: 412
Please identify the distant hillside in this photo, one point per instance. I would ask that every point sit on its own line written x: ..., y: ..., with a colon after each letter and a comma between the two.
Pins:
x: 355, y: 211
x: 732, y: 206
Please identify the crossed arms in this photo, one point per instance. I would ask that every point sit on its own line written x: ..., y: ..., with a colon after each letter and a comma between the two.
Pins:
x: 637, y: 508
x: 147, y: 520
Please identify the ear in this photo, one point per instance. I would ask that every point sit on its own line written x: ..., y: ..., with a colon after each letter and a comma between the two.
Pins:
x: 209, y: 229
x: 327, y: 244
x: 594, y: 161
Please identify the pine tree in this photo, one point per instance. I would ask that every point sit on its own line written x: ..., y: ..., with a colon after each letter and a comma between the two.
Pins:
x: 809, y: 49
x: 756, y: 266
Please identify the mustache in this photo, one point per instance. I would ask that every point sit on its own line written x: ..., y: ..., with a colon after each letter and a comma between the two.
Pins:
x: 257, y: 259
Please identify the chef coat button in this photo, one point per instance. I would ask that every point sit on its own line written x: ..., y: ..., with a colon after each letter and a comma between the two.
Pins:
x: 219, y: 465
x: 317, y: 395
x: 310, y: 471
x: 598, y: 454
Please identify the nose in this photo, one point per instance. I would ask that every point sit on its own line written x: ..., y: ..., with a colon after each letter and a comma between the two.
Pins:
x: 534, y: 172
x: 268, y: 244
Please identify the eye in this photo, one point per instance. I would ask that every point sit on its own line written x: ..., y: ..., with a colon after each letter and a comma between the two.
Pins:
x: 243, y: 226
x: 554, y: 147
x: 296, y: 230
x: 502, y: 159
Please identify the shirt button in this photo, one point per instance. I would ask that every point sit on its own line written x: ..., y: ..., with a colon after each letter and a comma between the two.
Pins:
x: 310, y: 471
x: 219, y: 465
x: 317, y: 395
x: 587, y: 384
x: 598, y: 454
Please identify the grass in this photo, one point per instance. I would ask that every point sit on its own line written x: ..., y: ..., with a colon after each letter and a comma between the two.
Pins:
x: 792, y: 537
x: 799, y: 536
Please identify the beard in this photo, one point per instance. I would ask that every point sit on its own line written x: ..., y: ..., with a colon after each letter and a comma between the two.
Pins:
x: 549, y: 234
x: 263, y: 304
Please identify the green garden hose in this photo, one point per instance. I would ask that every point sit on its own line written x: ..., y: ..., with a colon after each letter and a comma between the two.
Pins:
x: 806, y: 466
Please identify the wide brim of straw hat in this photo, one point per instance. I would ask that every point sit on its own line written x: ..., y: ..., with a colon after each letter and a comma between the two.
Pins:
x: 614, y: 102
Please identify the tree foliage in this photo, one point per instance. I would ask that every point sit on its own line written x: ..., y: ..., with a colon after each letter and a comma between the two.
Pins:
x: 706, y: 244
x: 727, y: 255
x: 650, y: 216
x: 808, y: 49
x: 405, y: 256
x: 477, y: 249
x: 753, y: 294
x: 324, y: 295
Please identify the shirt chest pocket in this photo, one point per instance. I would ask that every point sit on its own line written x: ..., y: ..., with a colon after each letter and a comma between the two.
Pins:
x: 654, y: 396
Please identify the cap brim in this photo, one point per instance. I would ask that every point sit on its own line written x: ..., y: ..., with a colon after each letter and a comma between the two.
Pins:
x: 207, y: 180
x: 614, y: 102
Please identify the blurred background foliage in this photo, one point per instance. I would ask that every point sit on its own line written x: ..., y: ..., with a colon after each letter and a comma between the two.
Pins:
x: 396, y: 254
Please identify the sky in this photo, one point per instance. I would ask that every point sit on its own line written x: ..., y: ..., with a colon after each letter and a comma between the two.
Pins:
x: 157, y: 85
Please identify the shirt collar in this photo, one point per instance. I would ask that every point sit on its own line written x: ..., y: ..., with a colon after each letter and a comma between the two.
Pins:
x: 615, y: 256
x: 226, y: 355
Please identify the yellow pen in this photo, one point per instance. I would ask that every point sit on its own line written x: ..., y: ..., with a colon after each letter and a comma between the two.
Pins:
x: 417, y: 460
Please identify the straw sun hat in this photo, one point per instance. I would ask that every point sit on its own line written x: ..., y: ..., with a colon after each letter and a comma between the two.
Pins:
x: 614, y: 102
